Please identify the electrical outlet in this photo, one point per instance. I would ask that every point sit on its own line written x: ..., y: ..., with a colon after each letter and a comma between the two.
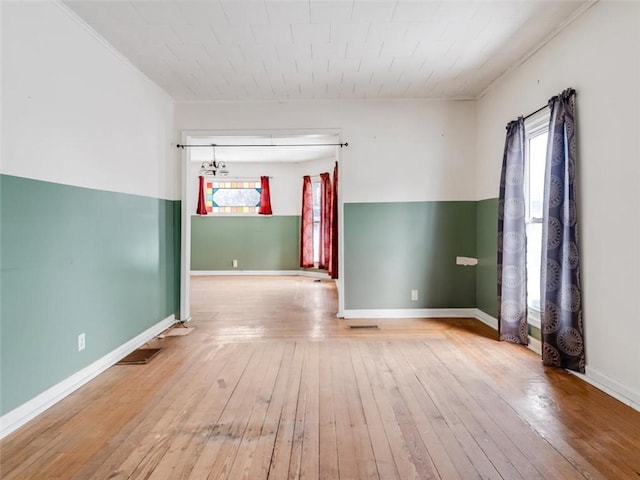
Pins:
x: 81, y: 343
x: 234, y: 263
x: 414, y: 295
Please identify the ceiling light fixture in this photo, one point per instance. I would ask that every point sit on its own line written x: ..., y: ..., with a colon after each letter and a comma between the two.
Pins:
x: 214, y: 167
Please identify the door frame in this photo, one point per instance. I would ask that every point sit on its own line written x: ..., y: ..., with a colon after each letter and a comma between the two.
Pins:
x: 185, y: 218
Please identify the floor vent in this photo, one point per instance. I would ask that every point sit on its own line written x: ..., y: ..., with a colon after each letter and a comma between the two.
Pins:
x: 363, y: 327
x: 140, y: 356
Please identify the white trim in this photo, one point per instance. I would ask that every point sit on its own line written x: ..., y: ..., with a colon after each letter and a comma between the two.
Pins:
x: 105, y: 43
x: 610, y: 387
x: 17, y: 417
x: 593, y: 377
x: 314, y: 274
x: 185, y: 160
x: 300, y: 273
x: 413, y: 313
x: 487, y: 319
x: 340, y: 281
x: 556, y: 31
x: 425, y: 313
x: 185, y: 233
x: 329, y: 100
x: 533, y: 317
x: 535, y: 345
x: 538, y: 123
x: 234, y: 132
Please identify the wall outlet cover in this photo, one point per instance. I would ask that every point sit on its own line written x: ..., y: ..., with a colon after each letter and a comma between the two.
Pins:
x: 466, y: 261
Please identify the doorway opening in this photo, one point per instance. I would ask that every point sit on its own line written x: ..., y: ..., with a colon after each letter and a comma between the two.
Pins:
x: 230, y: 238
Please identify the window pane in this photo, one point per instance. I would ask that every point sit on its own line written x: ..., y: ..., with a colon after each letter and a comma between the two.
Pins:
x: 537, y: 160
x: 316, y: 201
x: 534, y: 246
x: 315, y: 189
x: 316, y: 242
x: 236, y: 197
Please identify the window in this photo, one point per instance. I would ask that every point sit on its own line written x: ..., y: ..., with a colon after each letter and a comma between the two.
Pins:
x: 315, y: 190
x: 536, y: 134
x: 242, y: 197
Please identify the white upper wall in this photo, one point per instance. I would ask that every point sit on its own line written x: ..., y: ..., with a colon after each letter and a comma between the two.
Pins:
x: 76, y: 112
x: 598, y: 55
x: 405, y: 150
x: 1, y: 112
x: 285, y: 183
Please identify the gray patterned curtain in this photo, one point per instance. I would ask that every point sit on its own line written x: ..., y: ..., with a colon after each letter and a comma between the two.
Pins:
x: 512, y: 252
x: 560, y: 290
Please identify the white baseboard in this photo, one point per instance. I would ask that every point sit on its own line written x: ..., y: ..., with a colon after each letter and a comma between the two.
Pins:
x: 425, y: 313
x: 486, y: 319
x: 301, y: 273
x: 610, y: 387
x: 314, y: 274
x: 17, y: 417
x: 535, y: 345
x: 413, y: 313
x: 593, y: 377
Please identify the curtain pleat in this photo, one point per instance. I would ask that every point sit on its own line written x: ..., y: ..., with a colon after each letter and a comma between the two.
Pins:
x: 306, y: 231
x: 561, y: 293
x: 512, y: 252
x: 333, y: 264
x: 265, y: 197
x: 325, y: 221
x: 202, y: 207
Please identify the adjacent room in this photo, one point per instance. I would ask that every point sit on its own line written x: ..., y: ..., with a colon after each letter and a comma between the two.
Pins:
x: 366, y: 239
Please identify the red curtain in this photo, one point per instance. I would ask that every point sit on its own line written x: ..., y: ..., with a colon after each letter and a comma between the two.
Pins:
x: 325, y: 221
x: 333, y: 265
x: 306, y: 231
x: 265, y: 197
x: 202, y: 207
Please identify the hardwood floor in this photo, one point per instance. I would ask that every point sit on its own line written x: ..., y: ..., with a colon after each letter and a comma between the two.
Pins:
x: 271, y: 385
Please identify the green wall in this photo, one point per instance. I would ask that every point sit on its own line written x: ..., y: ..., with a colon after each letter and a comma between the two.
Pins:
x: 534, y: 332
x: 487, y: 268
x: 392, y: 248
x: 257, y: 242
x: 78, y: 260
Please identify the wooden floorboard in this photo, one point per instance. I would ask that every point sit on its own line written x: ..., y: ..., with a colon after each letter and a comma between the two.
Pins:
x: 271, y: 385
x: 328, y: 462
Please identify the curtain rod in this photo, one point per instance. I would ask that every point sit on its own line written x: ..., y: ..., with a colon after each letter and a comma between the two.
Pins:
x: 270, y: 145
x: 241, y: 178
x: 547, y: 105
x: 537, y: 111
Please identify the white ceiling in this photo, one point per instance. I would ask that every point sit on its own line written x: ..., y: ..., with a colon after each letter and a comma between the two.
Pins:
x: 279, y: 153
x: 316, y: 49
